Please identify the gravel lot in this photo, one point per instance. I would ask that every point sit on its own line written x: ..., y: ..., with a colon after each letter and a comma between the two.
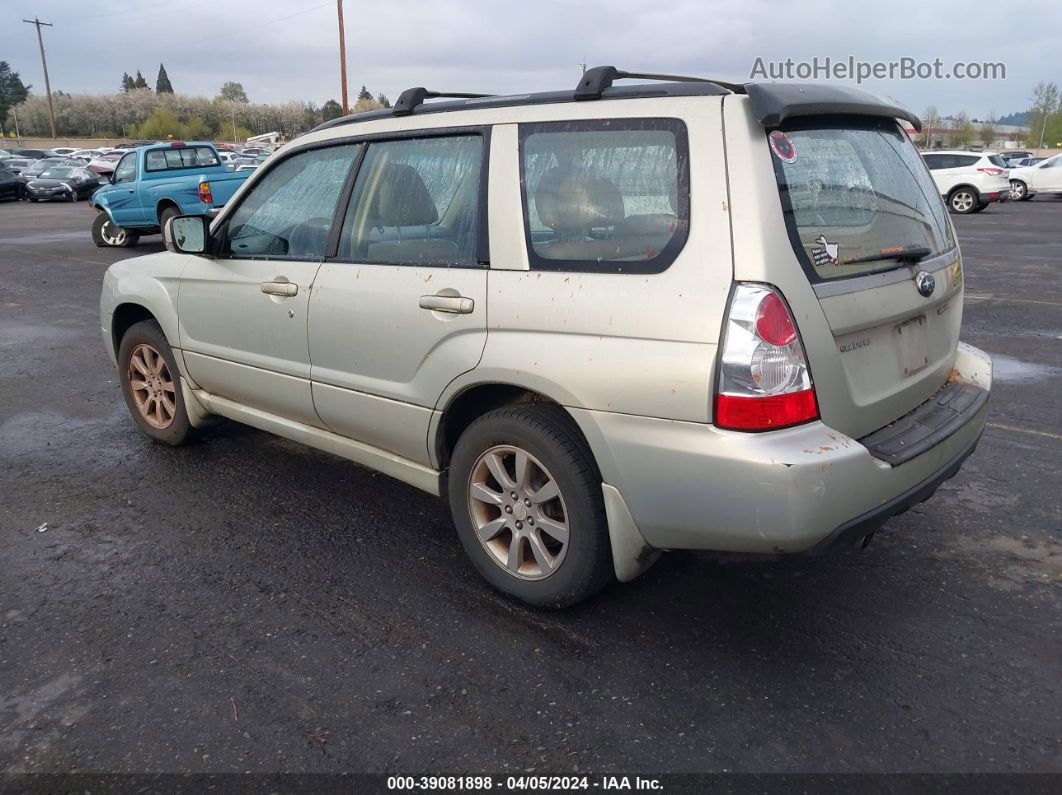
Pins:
x: 245, y: 604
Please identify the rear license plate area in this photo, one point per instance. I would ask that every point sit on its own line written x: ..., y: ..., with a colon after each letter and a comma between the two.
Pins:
x: 912, y: 345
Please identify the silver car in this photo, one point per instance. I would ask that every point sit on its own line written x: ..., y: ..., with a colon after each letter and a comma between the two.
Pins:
x: 601, y: 323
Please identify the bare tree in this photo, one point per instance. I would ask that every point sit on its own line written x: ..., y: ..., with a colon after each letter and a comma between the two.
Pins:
x: 986, y: 133
x: 930, y: 121
x: 963, y: 131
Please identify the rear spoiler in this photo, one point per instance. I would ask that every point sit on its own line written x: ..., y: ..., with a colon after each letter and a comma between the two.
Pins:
x: 773, y: 103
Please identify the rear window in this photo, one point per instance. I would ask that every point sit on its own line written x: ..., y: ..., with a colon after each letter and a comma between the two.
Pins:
x: 184, y: 157
x: 855, y: 194
x: 997, y: 160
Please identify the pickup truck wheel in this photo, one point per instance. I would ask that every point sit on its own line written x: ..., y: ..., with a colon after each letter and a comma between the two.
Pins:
x: 106, y: 234
x: 151, y: 384
x: 166, y: 215
x: 526, y: 499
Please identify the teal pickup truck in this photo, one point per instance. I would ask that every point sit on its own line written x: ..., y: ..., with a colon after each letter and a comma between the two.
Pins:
x: 154, y: 183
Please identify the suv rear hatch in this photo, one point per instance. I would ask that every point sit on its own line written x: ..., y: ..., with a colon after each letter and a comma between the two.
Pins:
x: 870, y: 237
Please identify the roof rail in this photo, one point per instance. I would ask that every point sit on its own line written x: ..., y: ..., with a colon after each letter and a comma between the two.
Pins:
x: 409, y: 99
x: 596, y: 79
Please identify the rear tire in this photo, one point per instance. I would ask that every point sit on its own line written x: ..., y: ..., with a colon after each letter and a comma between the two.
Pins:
x: 166, y: 215
x: 1019, y: 191
x: 106, y: 235
x: 151, y: 384
x: 962, y: 201
x: 548, y: 551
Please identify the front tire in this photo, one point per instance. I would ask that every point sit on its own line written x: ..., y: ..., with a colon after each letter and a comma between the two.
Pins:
x: 962, y: 201
x: 525, y: 495
x: 1019, y: 191
x: 105, y: 234
x: 151, y: 384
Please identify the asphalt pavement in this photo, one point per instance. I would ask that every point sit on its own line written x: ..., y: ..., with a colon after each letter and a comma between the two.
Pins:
x: 247, y: 604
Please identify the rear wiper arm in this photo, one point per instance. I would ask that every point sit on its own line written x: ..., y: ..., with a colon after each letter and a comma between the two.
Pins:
x: 912, y: 254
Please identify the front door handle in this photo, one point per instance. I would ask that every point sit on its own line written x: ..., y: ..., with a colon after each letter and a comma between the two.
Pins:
x: 280, y: 288
x: 454, y: 304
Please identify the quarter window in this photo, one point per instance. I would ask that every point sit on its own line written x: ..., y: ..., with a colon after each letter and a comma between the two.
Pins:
x: 416, y: 202
x: 288, y: 213
x: 605, y: 196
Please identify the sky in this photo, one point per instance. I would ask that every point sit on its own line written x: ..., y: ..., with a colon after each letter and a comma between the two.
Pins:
x: 288, y: 49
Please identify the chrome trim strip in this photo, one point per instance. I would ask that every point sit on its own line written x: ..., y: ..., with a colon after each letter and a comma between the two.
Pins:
x: 903, y: 273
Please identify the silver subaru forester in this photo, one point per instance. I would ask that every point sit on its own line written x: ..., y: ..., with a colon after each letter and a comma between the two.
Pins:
x: 676, y: 314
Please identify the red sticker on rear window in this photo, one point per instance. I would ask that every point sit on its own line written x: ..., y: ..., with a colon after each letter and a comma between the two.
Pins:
x: 782, y: 146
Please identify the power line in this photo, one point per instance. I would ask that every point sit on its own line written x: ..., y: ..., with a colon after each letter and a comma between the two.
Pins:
x: 44, y: 63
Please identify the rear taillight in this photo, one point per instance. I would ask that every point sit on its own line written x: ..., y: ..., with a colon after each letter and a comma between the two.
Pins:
x: 995, y: 172
x: 764, y: 382
x: 204, y: 193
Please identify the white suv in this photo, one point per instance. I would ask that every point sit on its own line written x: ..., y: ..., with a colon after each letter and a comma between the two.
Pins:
x: 602, y: 323
x: 969, y: 181
x: 1045, y: 177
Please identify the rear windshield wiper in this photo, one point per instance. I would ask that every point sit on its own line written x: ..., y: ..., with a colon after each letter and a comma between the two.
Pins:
x: 913, y: 254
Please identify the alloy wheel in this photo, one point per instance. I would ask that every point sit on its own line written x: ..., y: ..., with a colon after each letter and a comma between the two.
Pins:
x: 113, y: 235
x: 962, y: 202
x: 1017, y: 190
x: 518, y: 512
x: 152, y: 387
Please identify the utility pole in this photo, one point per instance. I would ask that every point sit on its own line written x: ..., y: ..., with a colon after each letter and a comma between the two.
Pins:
x: 343, y: 58
x: 44, y: 63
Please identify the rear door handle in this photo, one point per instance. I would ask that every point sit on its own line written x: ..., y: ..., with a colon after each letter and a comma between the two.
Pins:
x: 454, y: 304
x: 280, y: 288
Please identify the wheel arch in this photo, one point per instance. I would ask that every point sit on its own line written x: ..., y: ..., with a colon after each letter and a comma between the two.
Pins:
x: 472, y: 401
x: 961, y: 186
x: 164, y: 204
x: 127, y: 315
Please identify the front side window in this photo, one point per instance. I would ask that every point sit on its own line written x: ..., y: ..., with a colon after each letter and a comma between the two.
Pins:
x: 606, y: 196
x: 125, y: 171
x: 416, y: 202
x: 856, y: 196
x: 288, y: 213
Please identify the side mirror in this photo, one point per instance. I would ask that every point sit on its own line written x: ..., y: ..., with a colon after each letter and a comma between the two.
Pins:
x: 187, y: 234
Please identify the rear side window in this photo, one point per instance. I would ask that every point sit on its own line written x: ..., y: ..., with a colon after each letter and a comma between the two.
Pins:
x: 183, y: 157
x: 417, y: 201
x: 997, y: 160
x: 855, y: 192
x: 607, y: 196
x: 964, y: 161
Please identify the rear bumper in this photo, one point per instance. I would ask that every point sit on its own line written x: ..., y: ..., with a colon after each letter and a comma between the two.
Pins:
x: 694, y: 486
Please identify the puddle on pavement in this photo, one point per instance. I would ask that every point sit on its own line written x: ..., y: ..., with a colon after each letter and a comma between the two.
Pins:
x: 1008, y: 370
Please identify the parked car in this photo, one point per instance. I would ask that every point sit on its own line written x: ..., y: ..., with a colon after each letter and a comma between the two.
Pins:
x: 1012, y: 156
x: 38, y: 167
x: 969, y: 181
x: 87, y: 155
x: 12, y: 185
x: 61, y: 151
x: 637, y: 373
x: 154, y: 183
x: 32, y: 154
x: 1028, y: 161
x: 104, y: 164
x: 255, y: 151
x: 18, y: 164
x: 67, y: 183
x: 1044, y: 177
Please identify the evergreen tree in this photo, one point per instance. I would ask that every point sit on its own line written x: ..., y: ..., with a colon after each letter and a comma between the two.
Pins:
x: 383, y: 100
x: 162, y: 84
x: 140, y: 82
x: 12, y: 90
x: 331, y: 110
x: 127, y: 82
x: 364, y: 95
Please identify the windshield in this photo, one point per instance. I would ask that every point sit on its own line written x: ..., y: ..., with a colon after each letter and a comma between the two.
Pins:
x: 57, y: 173
x: 856, y: 190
